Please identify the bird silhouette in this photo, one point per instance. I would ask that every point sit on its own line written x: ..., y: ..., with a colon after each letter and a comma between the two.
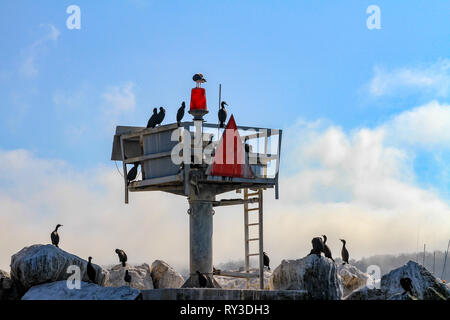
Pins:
x: 266, y: 260
x: 180, y: 113
x: 222, y: 114
x: 326, y: 249
x: 122, y: 256
x: 55, y: 236
x: 202, y: 280
x: 132, y: 173
x: 91, y: 271
x: 152, y: 121
x: 199, y: 79
x: 406, y: 284
x: 344, y: 252
x: 317, y: 244
x: 161, y: 115
x: 127, y: 277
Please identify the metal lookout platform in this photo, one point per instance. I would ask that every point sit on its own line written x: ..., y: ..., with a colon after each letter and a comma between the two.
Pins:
x: 187, y: 161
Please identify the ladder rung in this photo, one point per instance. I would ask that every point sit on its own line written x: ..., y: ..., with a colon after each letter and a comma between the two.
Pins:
x: 252, y: 209
x: 252, y: 224
x: 253, y: 194
x: 253, y: 254
x: 253, y: 239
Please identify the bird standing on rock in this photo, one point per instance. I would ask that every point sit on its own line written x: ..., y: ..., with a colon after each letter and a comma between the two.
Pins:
x: 317, y: 244
x: 127, y: 278
x: 199, y: 79
x: 266, y: 260
x: 122, y: 256
x: 90, y: 270
x: 55, y: 236
x: 152, y: 121
x: 344, y: 252
x: 180, y: 113
x: 132, y: 173
x: 161, y: 115
x: 326, y: 249
x: 222, y: 114
x: 406, y: 284
x: 202, y: 280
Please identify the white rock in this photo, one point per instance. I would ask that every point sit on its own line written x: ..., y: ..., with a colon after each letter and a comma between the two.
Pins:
x: 352, y: 278
x: 141, y: 278
x: 46, y: 263
x: 421, y: 279
x: 241, y: 283
x: 164, y: 276
x: 88, y: 291
x: 316, y: 275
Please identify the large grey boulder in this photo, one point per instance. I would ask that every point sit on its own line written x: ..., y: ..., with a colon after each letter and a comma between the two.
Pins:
x: 421, y: 279
x: 241, y: 283
x: 164, y: 276
x: 141, y: 278
x: 9, y: 289
x: 316, y: 275
x: 88, y: 291
x: 39, y: 264
x: 425, y: 286
x: 352, y: 278
x: 366, y: 293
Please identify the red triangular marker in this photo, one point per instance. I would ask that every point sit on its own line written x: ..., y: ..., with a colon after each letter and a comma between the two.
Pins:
x: 229, y: 160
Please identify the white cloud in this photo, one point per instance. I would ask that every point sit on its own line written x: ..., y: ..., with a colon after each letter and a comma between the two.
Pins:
x: 429, y: 79
x: 120, y: 98
x: 32, y: 53
x: 359, y: 186
x: 426, y: 126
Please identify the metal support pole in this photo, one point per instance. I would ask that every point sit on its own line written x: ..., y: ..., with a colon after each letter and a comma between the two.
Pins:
x: 200, y: 238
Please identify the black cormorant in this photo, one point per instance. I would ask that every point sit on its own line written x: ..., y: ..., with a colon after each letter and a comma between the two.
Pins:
x: 180, y: 113
x: 406, y: 284
x: 344, y: 252
x: 202, y: 280
x: 133, y: 172
x: 199, y: 79
x: 317, y: 244
x: 127, y: 277
x: 326, y: 249
x: 266, y: 260
x: 55, y: 236
x: 122, y: 256
x: 161, y: 115
x: 222, y: 114
x: 91, y: 271
x: 152, y: 121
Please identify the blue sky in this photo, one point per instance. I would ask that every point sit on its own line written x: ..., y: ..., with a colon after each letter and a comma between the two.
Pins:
x: 277, y: 63
x: 311, y: 68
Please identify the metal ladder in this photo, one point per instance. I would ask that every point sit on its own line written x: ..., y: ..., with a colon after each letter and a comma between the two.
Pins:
x: 247, y: 210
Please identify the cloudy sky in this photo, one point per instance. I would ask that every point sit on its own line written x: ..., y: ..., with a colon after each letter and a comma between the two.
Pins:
x: 365, y: 114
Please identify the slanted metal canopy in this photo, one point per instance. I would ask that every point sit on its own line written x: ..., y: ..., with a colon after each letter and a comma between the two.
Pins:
x: 152, y: 147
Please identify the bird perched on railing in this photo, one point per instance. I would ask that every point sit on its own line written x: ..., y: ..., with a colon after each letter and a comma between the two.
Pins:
x: 132, y: 173
x: 161, y: 115
x: 90, y: 270
x: 266, y: 260
x: 180, y: 113
x: 152, y: 121
x: 122, y: 256
x: 222, y: 114
x: 127, y: 277
x: 55, y: 236
x: 344, y: 252
x: 199, y: 79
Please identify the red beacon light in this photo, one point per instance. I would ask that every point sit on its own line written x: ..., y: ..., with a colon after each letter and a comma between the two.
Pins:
x: 198, y: 98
